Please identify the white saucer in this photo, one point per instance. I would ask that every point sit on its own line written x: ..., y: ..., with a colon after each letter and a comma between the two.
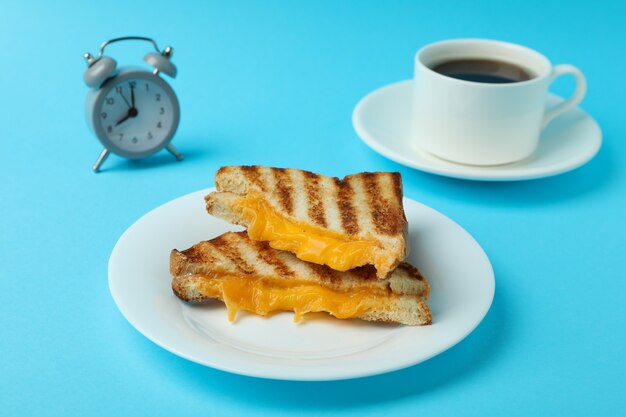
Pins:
x: 382, y: 120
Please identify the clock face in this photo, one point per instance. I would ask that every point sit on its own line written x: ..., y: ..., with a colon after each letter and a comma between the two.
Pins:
x: 136, y: 114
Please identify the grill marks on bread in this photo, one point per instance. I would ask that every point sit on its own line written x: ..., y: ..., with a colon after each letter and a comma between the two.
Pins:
x: 234, y: 253
x: 256, y: 257
x: 324, y: 273
x: 360, y: 203
x: 368, y: 201
x: 279, y: 267
x: 381, y: 192
x: 345, y: 196
x: 316, y: 210
x: 253, y: 174
x: 200, y: 258
x: 284, y: 188
x: 228, y: 248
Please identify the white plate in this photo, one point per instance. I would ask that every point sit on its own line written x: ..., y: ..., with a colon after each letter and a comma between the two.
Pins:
x: 320, y: 347
x: 382, y: 121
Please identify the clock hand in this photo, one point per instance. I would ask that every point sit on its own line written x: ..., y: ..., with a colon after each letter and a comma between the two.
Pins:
x: 123, y: 119
x: 132, y: 112
x: 132, y: 96
x: 122, y: 94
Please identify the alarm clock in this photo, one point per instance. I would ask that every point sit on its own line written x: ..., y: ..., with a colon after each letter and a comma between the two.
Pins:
x: 132, y: 111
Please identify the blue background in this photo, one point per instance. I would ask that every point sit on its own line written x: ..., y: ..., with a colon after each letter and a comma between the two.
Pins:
x: 275, y: 83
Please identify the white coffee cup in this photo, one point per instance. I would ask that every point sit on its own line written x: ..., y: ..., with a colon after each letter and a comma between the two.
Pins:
x: 481, y: 123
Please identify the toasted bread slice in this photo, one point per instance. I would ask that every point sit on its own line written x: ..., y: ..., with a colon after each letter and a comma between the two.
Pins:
x: 344, y: 223
x: 250, y: 275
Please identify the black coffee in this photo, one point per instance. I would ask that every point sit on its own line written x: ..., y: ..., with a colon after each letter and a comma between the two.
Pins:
x: 483, y: 71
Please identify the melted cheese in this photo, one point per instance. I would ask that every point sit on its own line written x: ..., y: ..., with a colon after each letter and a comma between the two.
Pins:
x: 306, y: 242
x: 262, y: 297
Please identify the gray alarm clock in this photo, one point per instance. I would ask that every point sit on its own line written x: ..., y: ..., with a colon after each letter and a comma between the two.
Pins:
x: 132, y: 111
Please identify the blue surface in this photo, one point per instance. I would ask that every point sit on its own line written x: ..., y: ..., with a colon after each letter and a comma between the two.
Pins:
x: 275, y: 83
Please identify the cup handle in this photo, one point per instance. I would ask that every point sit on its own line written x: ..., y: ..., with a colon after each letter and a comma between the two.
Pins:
x: 579, y: 93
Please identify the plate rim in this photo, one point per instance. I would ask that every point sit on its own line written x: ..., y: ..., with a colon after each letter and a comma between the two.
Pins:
x: 461, y: 171
x: 286, y: 373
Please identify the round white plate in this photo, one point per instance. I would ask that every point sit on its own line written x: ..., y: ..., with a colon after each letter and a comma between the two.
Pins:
x: 318, y: 348
x: 382, y: 121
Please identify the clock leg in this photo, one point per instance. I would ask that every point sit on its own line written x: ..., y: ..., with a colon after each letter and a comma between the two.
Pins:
x: 101, y: 159
x: 173, y: 151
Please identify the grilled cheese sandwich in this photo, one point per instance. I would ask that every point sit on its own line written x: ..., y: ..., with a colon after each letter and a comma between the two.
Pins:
x: 252, y: 276
x: 340, y: 223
